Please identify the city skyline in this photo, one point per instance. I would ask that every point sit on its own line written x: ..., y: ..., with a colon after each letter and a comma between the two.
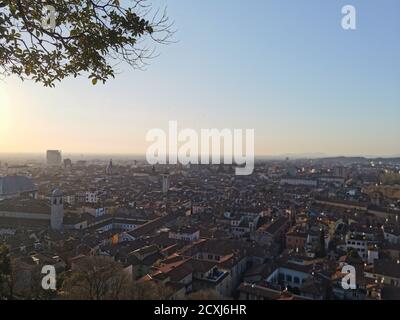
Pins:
x: 338, y: 95
x: 253, y: 157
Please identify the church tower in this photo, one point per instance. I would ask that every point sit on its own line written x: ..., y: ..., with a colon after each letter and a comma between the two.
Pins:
x: 165, y: 182
x: 57, y: 210
x: 109, y: 168
x: 292, y: 216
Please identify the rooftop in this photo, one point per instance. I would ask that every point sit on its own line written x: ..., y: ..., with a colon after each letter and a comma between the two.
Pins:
x: 10, y: 185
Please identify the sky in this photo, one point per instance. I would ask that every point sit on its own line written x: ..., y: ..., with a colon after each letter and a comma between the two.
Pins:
x: 285, y: 68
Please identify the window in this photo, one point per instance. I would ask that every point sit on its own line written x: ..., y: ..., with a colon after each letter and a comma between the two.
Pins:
x: 296, y: 280
x: 288, y: 278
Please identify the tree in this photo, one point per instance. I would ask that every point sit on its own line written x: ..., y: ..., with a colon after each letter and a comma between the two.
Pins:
x: 101, y: 278
x: 321, y: 250
x: 150, y: 290
x: 11, y: 278
x: 36, y: 291
x: 88, y: 37
x: 5, y: 270
x: 97, y: 278
x: 352, y: 253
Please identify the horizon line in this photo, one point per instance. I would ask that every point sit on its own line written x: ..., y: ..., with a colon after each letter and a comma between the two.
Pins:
x: 305, y: 155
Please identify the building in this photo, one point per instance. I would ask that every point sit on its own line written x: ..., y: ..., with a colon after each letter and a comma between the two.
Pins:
x: 251, y: 291
x: 239, y: 224
x: 91, y: 197
x: 341, y: 172
x: 67, y: 163
x: 292, y: 272
x: 25, y: 212
x: 16, y: 186
x: 296, y: 240
x: 208, y: 276
x: 165, y: 183
x: 57, y: 210
x: 303, y: 182
x: 273, y: 232
x: 386, y: 272
x: 392, y: 234
x: 358, y: 243
x: 185, y: 234
x: 334, y: 180
x: 16, y: 170
x: 54, y: 158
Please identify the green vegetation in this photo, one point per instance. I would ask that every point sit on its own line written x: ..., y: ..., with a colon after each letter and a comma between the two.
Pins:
x: 89, y: 37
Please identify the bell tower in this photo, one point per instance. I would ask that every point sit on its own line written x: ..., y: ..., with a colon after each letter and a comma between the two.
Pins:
x: 57, y: 210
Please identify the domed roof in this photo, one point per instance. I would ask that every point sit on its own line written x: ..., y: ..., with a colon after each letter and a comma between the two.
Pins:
x: 57, y: 193
x: 10, y: 185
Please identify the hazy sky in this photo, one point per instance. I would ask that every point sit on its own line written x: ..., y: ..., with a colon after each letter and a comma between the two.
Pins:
x: 283, y: 67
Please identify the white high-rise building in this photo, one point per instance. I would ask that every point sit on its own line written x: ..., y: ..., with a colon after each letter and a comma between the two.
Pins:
x: 57, y: 210
x: 54, y: 158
